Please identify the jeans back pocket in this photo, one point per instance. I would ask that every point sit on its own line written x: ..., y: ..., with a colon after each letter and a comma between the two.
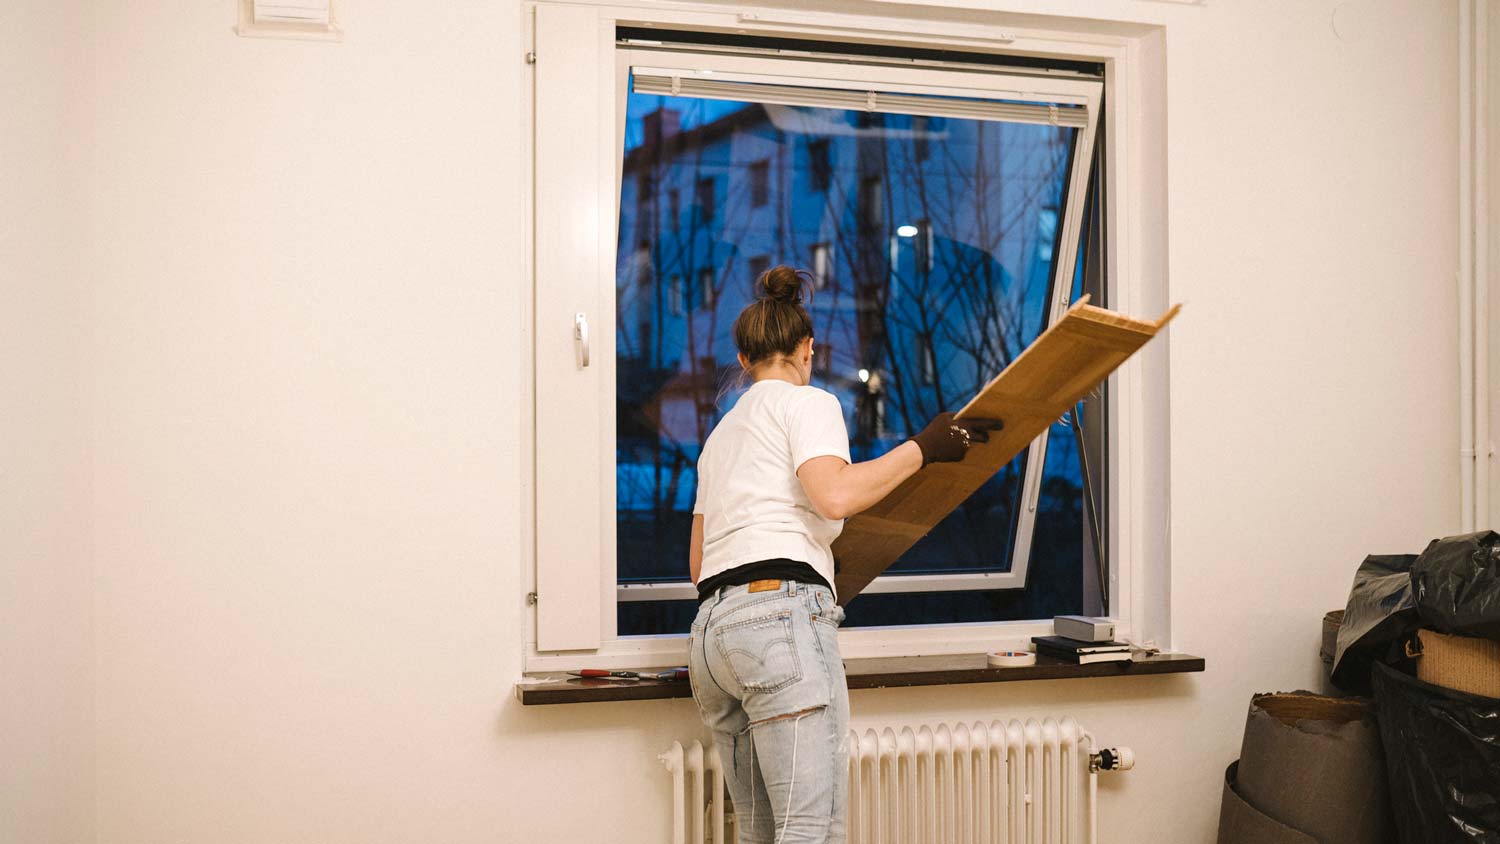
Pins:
x: 760, y: 652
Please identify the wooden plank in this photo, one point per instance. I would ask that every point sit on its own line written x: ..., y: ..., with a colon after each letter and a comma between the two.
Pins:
x: 1050, y: 376
x: 875, y: 673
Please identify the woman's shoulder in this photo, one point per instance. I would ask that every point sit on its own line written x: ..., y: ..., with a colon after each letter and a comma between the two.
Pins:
x: 810, y: 396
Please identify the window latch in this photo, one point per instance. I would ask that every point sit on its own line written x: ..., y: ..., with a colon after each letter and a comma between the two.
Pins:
x: 581, y: 338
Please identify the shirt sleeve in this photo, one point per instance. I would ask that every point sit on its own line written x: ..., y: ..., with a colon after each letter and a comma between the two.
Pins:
x: 816, y: 428
x: 698, y: 493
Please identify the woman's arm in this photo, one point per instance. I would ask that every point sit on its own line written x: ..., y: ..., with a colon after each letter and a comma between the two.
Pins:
x: 838, y: 490
x: 695, y: 547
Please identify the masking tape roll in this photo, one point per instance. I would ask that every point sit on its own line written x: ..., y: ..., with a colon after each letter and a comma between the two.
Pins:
x: 1011, y: 659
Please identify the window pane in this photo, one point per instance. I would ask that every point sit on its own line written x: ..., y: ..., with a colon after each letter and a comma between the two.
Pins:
x: 932, y: 261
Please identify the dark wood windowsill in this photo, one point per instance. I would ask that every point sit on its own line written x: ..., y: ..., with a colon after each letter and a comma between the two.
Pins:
x: 879, y: 673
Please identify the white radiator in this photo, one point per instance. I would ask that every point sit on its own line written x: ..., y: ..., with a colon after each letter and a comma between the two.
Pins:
x: 1032, y: 783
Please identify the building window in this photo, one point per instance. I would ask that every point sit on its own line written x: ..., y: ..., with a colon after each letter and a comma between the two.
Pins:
x: 871, y: 204
x: 707, y: 199
x: 819, y: 165
x: 674, y: 210
x: 640, y: 263
x: 758, y: 266
x: 760, y: 183
x: 645, y: 186
x: 674, y: 294
x: 923, y: 244
x: 919, y: 145
x: 706, y: 290
x: 822, y: 264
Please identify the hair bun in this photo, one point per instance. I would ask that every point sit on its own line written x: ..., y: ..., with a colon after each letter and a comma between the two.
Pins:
x: 782, y: 284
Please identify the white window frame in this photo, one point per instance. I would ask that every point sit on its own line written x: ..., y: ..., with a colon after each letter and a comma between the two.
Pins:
x: 1136, y: 523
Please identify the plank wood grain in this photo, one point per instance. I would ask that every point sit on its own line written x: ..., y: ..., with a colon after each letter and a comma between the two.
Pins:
x: 1054, y: 373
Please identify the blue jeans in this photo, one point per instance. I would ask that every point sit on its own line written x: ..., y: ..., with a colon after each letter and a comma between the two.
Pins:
x: 770, y: 685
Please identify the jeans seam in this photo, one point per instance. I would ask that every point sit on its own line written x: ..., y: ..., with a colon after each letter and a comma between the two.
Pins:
x: 706, y: 664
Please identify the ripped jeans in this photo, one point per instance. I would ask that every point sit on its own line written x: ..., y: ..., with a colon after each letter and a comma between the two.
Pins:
x: 770, y: 685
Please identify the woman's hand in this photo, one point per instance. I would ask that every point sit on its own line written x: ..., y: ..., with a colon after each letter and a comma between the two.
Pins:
x: 947, y: 440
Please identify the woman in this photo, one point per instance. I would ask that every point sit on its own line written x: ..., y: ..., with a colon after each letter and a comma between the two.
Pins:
x: 774, y: 485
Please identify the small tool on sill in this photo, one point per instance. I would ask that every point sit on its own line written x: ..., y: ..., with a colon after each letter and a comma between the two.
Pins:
x: 670, y: 674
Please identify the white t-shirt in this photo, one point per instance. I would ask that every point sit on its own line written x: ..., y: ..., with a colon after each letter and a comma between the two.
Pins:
x: 753, y: 505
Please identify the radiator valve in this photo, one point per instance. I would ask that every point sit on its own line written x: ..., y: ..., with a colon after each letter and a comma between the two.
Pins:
x: 1112, y: 759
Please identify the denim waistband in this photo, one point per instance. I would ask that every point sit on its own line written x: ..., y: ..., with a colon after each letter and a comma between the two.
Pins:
x: 787, y: 587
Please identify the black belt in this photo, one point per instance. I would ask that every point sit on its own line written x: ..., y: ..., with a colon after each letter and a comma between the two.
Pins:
x: 777, y: 569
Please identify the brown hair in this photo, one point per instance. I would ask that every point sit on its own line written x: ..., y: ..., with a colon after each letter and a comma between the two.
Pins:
x: 776, y: 323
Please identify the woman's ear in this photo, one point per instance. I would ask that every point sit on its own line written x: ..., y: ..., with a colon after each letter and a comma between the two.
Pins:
x: 744, y: 361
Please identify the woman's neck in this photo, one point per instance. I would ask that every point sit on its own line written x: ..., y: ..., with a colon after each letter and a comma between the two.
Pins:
x: 779, y: 371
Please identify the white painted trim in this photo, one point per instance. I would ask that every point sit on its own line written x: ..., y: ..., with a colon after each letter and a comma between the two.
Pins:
x: 854, y: 643
x: 578, y: 205
x: 885, y: 584
x: 1135, y: 221
x: 1473, y: 270
x: 1482, y: 446
x: 918, y: 81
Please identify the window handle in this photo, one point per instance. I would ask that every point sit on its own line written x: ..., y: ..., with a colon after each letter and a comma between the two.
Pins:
x: 581, y: 338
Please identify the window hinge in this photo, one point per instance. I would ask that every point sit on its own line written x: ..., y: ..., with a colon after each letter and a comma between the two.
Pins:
x: 530, y: 599
x: 531, y: 56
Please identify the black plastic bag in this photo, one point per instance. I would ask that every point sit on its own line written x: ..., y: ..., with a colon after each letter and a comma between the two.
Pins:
x: 1457, y: 584
x: 1381, y: 613
x: 1452, y: 587
x: 1442, y: 751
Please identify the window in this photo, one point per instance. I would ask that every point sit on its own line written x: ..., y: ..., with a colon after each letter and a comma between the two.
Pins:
x: 907, y: 325
x: 706, y: 297
x: 640, y: 263
x: 707, y: 199
x: 819, y: 166
x: 760, y: 183
x: 871, y: 204
x: 757, y: 267
x: 924, y: 340
x: 674, y: 210
x: 821, y: 255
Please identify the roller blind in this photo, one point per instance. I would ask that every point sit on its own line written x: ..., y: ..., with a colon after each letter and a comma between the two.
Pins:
x: 646, y: 81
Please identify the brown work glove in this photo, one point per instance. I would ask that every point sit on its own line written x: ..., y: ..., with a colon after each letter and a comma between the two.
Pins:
x: 946, y: 440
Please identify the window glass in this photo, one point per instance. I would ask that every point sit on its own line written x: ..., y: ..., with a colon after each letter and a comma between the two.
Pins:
x: 932, y: 263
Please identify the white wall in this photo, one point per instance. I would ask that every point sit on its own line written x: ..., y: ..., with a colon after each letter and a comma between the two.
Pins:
x: 306, y: 369
x: 46, y: 658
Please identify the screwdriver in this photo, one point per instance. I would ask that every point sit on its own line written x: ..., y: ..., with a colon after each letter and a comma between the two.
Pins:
x: 669, y: 674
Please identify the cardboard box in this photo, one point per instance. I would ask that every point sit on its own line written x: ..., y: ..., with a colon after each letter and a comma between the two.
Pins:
x: 1460, y: 663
